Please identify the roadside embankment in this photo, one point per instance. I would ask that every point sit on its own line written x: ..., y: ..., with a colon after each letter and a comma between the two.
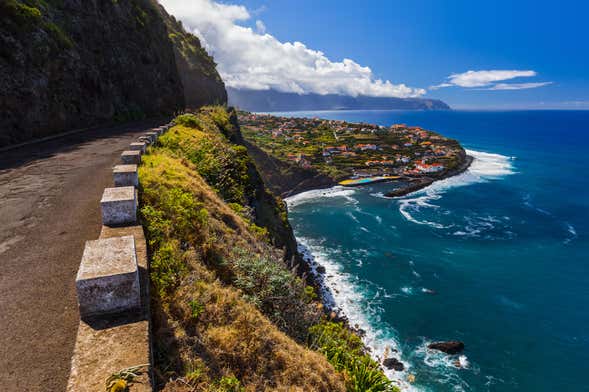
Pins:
x: 229, y: 312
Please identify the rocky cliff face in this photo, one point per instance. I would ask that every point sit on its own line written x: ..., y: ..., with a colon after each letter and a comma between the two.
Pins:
x: 68, y: 64
x: 72, y: 64
x: 202, y: 83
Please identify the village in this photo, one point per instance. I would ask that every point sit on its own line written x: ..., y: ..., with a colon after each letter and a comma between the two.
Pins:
x: 353, y: 151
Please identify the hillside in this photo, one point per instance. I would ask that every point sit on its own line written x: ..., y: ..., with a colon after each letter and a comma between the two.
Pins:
x: 230, y: 314
x: 272, y: 101
x: 66, y: 64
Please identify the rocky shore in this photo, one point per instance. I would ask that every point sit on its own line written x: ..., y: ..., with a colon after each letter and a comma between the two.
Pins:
x: 416, y: 184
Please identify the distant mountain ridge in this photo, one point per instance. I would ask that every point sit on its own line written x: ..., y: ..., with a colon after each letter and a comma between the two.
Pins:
x: 272, y: 100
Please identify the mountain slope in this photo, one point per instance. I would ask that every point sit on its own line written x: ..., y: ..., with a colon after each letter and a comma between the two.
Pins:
x: 201, y: 81
x: 66, y: 64
x: 271, y: 100
x: 70, y: 64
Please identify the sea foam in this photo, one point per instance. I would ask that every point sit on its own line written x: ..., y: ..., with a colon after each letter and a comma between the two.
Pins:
x: 317, y: 194
x: 357, y: 300
x: 484, y: 167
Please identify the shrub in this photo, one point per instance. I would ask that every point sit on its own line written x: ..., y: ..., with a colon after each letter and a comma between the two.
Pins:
x: 188, y: 120
x: 276, y: 291
x: 363, y: 377
x: 230, y: 384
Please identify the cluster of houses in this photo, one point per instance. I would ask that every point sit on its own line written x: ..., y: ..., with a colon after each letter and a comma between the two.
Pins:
x: 417, y: 149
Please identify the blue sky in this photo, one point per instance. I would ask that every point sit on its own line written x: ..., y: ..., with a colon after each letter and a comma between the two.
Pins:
x: 416, y: 44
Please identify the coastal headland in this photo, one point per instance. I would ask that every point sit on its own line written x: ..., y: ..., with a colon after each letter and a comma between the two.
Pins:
x: 295, y: 155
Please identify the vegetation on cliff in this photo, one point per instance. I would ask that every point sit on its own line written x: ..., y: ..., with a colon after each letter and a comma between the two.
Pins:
x: 229, y: 313
x: 201, y: 81
x: 75, y: 64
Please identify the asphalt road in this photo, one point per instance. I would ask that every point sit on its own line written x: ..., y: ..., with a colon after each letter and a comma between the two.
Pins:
x: 49, y: 206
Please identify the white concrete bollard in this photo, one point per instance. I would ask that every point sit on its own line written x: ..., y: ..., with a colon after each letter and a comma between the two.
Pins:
x: 138, y: 146
x: 152, y: 135
x: 125, y: 175
x: 108, y: 277
x: 130, y: 157
x: 144, y: 139
x: 119, y: 206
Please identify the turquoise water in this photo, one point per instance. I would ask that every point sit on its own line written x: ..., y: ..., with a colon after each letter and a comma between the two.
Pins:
x: 497, y: 257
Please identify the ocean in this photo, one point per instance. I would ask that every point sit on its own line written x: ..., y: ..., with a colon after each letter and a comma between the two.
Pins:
x: 497, y: 257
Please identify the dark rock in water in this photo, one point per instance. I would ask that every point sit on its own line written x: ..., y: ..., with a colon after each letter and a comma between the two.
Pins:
x: 451, y: 347
x: 359, y: 331
x: 393, y: 363
x: 412, y: 187
x: 320, y: 269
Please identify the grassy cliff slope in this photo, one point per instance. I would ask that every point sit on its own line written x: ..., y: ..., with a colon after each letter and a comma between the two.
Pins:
x: 229, y: 313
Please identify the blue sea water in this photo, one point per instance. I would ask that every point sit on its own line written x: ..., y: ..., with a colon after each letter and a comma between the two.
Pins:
x: 497, y: 257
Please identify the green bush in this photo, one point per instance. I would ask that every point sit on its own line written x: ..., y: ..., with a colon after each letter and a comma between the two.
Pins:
x: 174, y: 216
x: 22, y: 14
x: 223, y: 166
x: 363, y: 377
x: 275, y: 290
x: 188, y: 120
x: 230, y: 384
x: 167, y: 267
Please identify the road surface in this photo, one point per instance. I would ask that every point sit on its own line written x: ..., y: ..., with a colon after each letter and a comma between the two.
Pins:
x: 49, y: 206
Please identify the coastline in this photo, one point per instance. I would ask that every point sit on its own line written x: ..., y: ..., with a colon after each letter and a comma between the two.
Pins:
x: 319, y: 274
x: 319, y: 182
x: 423, y: 182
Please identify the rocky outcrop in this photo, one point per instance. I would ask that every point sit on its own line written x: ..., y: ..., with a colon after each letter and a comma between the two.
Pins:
x: 286, y: 179
x: 451, y: 347
x: 201, y: 81
x: 72, y: 64
x: 393, y: 363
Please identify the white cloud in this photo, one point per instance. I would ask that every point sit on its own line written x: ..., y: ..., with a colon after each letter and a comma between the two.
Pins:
x: 257, y: 60
x: 260, y: 27
x: 488, y: 79
x: 517, y: 86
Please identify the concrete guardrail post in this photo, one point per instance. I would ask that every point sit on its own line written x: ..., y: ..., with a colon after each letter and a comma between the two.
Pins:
x: 108, y: 277
x: 119, y: 206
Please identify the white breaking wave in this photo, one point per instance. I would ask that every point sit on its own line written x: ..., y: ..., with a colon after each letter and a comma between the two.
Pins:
x: 571, y: 230
x: 317, y: 194
x: 349, y: 296
x: 485, y: 166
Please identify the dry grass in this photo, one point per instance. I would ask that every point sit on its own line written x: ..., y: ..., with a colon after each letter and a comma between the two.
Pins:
x: 205, y: 331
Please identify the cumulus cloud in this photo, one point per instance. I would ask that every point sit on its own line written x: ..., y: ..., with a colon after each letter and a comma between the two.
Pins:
x: 487, y: 80
x: 256, y: 60
x: 260, y: 27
